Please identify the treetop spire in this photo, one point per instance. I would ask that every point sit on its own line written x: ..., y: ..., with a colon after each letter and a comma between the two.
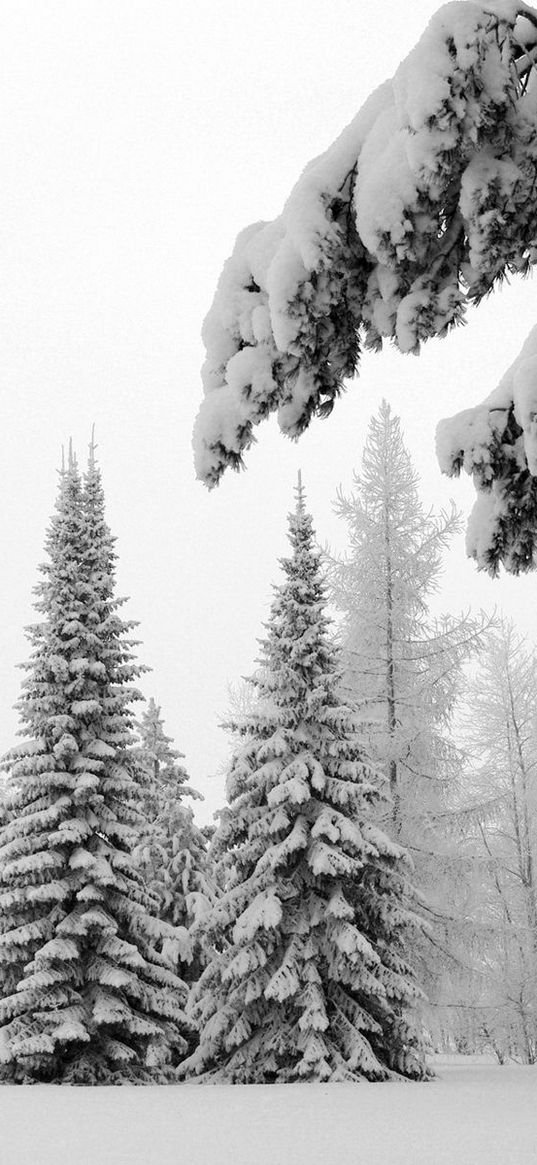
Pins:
x: 300, y: 494
x: 92, y: 449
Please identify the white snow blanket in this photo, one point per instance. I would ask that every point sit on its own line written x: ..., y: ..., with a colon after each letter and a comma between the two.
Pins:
x: 473, y: 1114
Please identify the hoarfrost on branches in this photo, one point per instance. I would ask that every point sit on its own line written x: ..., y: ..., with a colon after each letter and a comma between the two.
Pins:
x: 406, y: 670
x: 497, y: 828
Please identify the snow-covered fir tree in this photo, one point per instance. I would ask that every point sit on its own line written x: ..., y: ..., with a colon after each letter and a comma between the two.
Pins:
x: 172, y: 850
x: 308, y: 975
x: 404, y: 668
x: 86, y: 997
x: 422, y: 205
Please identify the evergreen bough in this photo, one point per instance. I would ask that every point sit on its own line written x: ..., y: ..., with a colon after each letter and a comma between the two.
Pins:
x: 424, y: 203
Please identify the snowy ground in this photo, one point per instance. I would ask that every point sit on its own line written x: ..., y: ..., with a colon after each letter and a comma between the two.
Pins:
x: 475, y: 1113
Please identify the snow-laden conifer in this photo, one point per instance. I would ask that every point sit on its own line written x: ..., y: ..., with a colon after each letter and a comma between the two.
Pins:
x: 422, y: 205
x: 172, y: 851
x: 308, y: 976
x: 86, y: 997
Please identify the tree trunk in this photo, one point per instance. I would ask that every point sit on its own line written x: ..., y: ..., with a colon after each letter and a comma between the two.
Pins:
x: 390, y: 679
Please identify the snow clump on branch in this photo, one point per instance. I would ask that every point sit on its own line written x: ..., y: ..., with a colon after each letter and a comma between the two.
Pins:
x: 496, y: 443
x: 423, y: 204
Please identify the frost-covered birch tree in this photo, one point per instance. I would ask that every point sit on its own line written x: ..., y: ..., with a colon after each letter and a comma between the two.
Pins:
x: 499, y: 819
x: 422, y: 205
x: 308, y: 974
x: 85, y: 994
x: 404, y: 668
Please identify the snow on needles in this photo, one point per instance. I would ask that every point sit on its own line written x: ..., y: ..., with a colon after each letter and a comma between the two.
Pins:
x: 496, y: 443
x: 422, y: 204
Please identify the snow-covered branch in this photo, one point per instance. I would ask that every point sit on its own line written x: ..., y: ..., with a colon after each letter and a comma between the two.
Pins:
x: 496, y: 443
x: 423, y: 203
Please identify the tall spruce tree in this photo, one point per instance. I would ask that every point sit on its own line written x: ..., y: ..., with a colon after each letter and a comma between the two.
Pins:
x: 172, y: 850
x: 86, y: 997
x: 307, y: 977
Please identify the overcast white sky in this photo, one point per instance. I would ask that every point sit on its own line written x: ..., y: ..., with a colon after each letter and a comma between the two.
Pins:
x: 137, y: 138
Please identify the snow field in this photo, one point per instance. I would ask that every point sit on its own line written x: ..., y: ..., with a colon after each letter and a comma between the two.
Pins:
x: 472, y: 1114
